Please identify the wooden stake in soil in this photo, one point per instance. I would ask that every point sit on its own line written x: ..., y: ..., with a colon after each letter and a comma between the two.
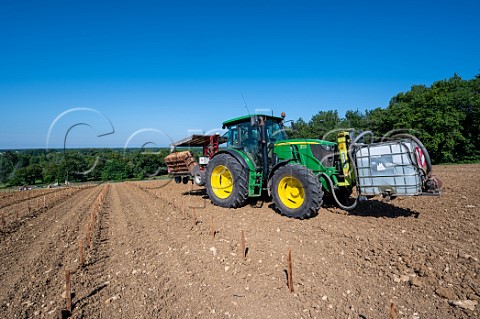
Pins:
x: 44, y: 202
x: 88, y: 237
x: 80, y: 250
x: 244, y: 249
x: 68, y: 293
x: 194, y: 217
x: 289, y: 272
x: 212, y: 227
x: 393, y: 311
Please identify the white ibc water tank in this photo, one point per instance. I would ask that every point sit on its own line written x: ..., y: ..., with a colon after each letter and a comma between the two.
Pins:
x: 388, y: 168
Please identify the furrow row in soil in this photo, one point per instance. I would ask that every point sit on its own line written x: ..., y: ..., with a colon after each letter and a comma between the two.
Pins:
x: 35, y: 256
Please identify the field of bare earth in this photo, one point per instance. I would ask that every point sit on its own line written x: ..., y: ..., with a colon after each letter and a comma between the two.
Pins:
x: 158, y: 249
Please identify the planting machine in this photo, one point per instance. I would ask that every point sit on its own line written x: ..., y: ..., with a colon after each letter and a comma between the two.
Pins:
x: 298, y: 174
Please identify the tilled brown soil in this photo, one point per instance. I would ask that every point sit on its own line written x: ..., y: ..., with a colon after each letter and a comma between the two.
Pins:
x: 153, y: 255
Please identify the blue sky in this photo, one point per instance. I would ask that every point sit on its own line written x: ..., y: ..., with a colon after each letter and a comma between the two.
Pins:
x: 156, y: 71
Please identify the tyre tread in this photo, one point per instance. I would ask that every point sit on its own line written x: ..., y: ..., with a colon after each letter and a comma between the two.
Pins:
x: 314, y: 198
x: 240, y: 189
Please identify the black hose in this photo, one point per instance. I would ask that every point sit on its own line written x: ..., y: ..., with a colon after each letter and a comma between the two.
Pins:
x: 353, y: 167
x: 422, y: 147
x: 330, y: 182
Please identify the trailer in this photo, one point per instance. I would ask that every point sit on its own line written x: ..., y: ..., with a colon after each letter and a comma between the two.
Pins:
x: 183, y: 166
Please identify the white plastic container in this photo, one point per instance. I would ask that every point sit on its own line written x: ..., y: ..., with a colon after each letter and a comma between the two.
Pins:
x: 388, y: 168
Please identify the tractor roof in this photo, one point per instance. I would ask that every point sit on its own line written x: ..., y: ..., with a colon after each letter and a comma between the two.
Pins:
x: 246, y: 118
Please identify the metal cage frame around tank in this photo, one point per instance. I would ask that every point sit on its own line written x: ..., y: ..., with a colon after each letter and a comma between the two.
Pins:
x: 406, y: 177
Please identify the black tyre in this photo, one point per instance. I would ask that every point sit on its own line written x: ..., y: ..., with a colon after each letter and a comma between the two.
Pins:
x: 226, y: 181
x: 296, y: 191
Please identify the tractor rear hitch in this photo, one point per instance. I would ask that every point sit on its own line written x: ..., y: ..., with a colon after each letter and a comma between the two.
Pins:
x: 432, y: 186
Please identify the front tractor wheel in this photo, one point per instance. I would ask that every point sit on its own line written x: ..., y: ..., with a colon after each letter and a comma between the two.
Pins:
x: 226, y: 181
x: 296, y: 191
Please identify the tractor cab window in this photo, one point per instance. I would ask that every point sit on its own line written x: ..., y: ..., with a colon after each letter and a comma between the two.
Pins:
x: 244, y: 136
x: 247, y: 136
x: 275, y: 132
x: 232, y: 136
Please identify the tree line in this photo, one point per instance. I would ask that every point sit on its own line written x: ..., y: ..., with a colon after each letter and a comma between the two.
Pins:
x: 444, y: 116
x: 79, y: 165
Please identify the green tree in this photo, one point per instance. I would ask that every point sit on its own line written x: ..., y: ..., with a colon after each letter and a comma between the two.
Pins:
x: 28, y: 175
x: 321, y: 124
x: 50, y: 172
x: 434, y: 114
x: 7, y: 166
x: 114, y: 169
x: 355, y: 120
x: 299, y: 129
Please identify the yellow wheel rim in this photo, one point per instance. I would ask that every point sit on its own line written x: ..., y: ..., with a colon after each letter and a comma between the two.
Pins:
x: 291, y: 192
x: 222, y: 182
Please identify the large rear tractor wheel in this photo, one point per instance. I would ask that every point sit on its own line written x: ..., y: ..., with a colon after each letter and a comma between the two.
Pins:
x: 226, y: 181
x: 296, y: 191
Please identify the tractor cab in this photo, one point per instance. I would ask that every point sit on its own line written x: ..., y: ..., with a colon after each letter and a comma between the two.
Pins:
x: 253, y: 132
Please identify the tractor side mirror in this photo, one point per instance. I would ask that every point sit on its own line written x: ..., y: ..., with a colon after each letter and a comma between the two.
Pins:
x: 292, y: 124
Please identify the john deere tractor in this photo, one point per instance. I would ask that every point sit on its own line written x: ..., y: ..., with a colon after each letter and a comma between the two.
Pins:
x: 298, y: 173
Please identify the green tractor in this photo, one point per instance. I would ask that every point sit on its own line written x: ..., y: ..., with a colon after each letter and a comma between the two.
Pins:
x: 298, y: 173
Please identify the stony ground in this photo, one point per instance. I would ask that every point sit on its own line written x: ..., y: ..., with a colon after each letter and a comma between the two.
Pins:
x: 152, y: 254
